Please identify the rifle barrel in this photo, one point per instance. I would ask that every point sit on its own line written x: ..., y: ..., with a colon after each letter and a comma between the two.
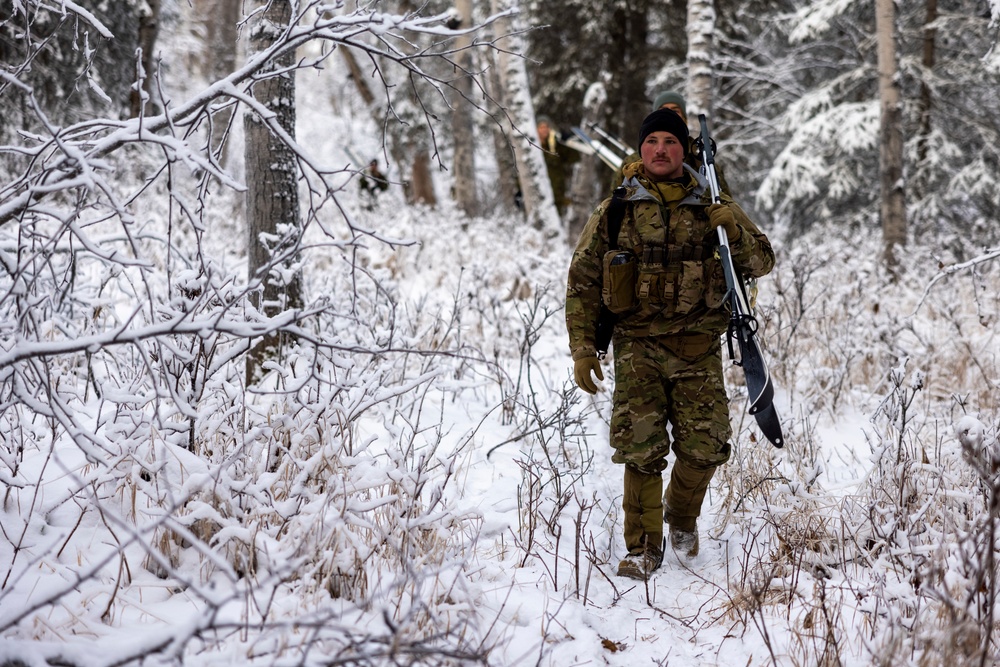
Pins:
x: 618, y: 143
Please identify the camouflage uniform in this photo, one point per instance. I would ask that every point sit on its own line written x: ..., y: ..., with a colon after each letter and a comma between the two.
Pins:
x: 667, y: 348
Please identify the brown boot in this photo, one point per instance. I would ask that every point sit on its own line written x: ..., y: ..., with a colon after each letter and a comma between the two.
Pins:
x: 643, y: 562
x: 683, y: 542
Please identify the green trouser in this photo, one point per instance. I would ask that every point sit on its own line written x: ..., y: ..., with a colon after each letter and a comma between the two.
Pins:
x: 685, y: 494
x: 642, y: 501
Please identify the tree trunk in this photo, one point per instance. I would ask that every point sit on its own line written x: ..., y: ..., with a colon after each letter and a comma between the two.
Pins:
x: 360, y: 82
x: 149, y: 28
x: 627, y: 103
x: 588, y: 186
x: 700, y: 27
x: 421, y: 188
x: 930, y: 37
x: 221, y: 25
x: 463, y: 129
x: 893, y: 205
x: 273, y: 225
x: 506, y: 165
x: 536, y: 190
x: 221, y: 20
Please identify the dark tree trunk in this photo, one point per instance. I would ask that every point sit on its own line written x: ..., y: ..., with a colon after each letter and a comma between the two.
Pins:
x: 273, y: 226
x: 149, y: 27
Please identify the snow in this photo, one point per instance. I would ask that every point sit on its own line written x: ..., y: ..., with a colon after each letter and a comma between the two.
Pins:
x: 421, y: 483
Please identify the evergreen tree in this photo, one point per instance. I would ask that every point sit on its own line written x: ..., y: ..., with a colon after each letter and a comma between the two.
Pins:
x: 78, y: 59
x: 828, y: 166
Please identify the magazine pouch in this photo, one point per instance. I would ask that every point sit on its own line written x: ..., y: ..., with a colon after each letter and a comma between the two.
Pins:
x: 620, y: 270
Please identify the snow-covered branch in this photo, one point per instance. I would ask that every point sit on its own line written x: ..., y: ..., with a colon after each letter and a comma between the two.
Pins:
x: 987, y: 256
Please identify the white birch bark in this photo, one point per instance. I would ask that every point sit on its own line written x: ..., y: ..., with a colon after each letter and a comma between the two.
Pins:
x: 700, y: 26
x: 536, y: 190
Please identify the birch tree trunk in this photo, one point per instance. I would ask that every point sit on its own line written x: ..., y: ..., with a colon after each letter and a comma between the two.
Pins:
x: 506, y: 166
x: 272, y: 200
x: 536, y: 190
x: 462, y: 127
x: 892, y: 202
x: 700, y: 27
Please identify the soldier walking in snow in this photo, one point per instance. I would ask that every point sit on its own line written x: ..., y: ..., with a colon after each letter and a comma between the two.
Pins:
x: 649, y: 255
x: 372, y: 183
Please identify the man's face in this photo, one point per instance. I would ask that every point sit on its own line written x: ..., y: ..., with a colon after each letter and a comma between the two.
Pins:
x: 662, y: 156
x: 543, y: 131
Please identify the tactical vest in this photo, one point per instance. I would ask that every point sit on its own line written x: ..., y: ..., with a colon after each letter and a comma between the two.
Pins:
x: 674, y: 267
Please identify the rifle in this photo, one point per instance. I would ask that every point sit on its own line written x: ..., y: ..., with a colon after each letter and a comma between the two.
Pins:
x: 607, y: 154
x: 742, y: 323
x: 614, y: 141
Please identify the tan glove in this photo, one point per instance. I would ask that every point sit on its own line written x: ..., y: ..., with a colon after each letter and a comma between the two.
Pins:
x: 581, y: 373
x: 722, y: 215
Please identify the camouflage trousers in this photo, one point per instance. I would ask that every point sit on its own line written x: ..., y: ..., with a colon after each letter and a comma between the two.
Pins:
x: 669, y: 394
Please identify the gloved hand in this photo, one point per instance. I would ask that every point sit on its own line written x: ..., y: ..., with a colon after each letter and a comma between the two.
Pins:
x: 720, y: 214
x: 581, y: 373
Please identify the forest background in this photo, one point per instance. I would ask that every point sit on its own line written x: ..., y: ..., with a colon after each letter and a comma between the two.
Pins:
x: 251, y: 416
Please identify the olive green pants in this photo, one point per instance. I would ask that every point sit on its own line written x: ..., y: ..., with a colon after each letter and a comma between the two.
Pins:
x: 642, y: 502
x: 685, y: 494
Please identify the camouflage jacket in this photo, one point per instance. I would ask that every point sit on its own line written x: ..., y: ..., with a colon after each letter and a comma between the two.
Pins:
x: 679, y: 286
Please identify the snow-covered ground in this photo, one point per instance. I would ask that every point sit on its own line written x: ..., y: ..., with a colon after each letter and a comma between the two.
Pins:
x: 431, y: 488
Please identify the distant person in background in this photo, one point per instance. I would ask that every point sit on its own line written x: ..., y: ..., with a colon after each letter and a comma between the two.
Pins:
x: 671, y: 99
x: 372, y: 183
x: 559, y: 159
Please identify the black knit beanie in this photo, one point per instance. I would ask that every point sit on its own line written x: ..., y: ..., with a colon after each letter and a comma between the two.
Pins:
x: 664, y: 120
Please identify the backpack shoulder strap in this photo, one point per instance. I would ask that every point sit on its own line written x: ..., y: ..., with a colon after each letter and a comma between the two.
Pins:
x: 616, y: 213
